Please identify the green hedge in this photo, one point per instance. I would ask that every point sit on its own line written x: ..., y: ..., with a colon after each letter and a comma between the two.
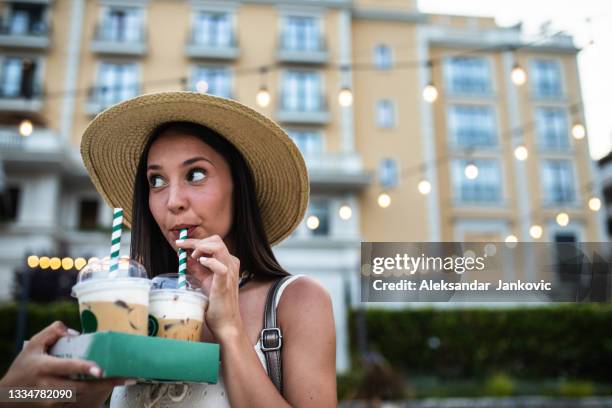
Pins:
x: 566, y: 341
x: 39, y: 316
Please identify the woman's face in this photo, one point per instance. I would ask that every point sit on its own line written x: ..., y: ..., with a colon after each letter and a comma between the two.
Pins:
x: 190, y: 186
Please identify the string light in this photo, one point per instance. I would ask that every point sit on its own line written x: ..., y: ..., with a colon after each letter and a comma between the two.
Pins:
x: 67, y: 263
x: 44, y: 262
x: 521, y: 153
x: 384, y: 200
x: 511, y: 239
x: 79, y: 263
x: 430, y: 93
x: 535, y: 231
x: 578, y: 131
x: 312, y: 222
x: 345, y: 97
x: 562, y: 219
x: 424, y: 187
x: 202, y: 86
x: 471, y: 171
x: 345, y: 212
x: 33, y: 261
x: 594, y: 204
x: 26, y: 128
x: 263, y: 97
x: 55, y: 263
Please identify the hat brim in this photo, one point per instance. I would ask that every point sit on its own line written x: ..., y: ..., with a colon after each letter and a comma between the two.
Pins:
x: 113, y: 143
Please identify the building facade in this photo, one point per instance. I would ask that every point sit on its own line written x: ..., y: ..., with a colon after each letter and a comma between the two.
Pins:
x: 64, y: 61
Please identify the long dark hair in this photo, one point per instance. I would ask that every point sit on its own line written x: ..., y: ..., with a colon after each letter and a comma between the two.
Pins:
x: 250, y: 243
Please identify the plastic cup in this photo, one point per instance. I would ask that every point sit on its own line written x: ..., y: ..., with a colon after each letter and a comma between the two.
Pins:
x: 116, y: 302
x: 176, y: 313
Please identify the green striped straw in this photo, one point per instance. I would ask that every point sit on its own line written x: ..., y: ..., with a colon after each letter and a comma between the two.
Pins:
x: 115, y: 241
x: 182, y: 264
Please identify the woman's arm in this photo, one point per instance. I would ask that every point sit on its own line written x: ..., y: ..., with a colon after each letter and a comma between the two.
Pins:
x: 308, y: 355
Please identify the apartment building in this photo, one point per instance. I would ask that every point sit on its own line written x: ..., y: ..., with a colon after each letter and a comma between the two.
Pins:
x: 390, y: 166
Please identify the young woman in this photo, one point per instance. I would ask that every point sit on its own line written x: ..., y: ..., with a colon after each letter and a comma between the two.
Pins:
x: 235, y: 180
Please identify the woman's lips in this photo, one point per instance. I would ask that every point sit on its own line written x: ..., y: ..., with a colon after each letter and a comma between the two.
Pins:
x: 177, y: 232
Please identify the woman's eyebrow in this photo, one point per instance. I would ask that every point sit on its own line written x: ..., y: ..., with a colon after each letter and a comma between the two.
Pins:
x: 185, y: 163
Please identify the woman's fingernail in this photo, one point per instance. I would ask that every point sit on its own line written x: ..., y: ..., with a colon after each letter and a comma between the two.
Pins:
x: 95, y: 372
x: 180, y: 241
x: 131, y: 381
x: 73, y: 332
x: 203, y: 259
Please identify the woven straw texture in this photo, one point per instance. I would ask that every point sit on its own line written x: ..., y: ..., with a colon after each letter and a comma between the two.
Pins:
x: 113, y: 143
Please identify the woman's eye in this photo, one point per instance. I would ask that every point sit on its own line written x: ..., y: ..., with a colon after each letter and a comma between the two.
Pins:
x: 156, y: 181
x: 196, y: 175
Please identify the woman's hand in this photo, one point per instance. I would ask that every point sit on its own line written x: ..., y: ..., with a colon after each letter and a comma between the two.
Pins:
x: 218, y: 271
x: 33, y: 367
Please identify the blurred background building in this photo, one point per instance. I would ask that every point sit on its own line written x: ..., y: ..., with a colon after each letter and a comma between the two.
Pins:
x: 415, y: 127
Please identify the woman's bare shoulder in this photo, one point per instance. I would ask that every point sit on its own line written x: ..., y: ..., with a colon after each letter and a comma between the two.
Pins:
x: 303, y: 294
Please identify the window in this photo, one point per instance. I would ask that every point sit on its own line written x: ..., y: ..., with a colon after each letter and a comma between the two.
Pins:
x: 217, y: 78
x: 9, y: 204
x: 309, y: 142
x: 27, y: 19
x: 301, y: 91
x: 558, y: 180
x: 382, y: 56
x: 320, y: 209
x: 385, y: 114
x: 301, y: 34
x: 546, y: 79
x: 121, y: 24
x: 388, y: 173
x: 468, y: 75
x: 485, y: 188
x: 472, y: 126
x: 552, y: 128
x: 116, y: 82
x: 566, y: 252
x: 17, y: 78
x: 88, y: 214
x: 212, y: 29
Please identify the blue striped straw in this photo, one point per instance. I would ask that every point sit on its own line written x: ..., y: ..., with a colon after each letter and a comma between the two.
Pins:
x: 115, y: 240
x: 182, y: 264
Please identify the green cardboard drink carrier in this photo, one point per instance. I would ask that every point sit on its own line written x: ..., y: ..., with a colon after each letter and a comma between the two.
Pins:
x: 147, y: 359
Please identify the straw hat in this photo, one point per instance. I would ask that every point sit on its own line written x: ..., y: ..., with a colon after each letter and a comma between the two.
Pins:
x: 114, y: 141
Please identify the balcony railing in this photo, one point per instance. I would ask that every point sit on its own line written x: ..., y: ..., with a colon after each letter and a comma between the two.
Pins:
x: 302, y: 53
x: 28, y: 98
x: 102, y: 97
x: 109, y: 41
x: 36, y: 36
x: 223, y: 50
x: 337, y: 171
x: 317, y: 114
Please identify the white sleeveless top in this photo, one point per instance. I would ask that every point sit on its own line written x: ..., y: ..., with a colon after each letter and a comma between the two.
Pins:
x: 182, y: 395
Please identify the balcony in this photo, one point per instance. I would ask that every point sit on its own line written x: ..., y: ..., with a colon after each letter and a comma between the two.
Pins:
x: 119, y: 42
x: 35, y: 37
x: 302, y: 114
x: 24, y: 100
x: 219, y: 50
x: 102, y: 97
x: 337, y: 172
x: 302, y: 53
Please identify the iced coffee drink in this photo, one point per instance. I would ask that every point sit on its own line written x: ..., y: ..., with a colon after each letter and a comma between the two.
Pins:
x: 176, y: 313
x: 116, y: 302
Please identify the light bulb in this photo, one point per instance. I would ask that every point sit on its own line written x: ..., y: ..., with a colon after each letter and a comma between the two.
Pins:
x: 518, y: 75
x: 55, y: 263
x: 578, y: 131
x: 511, y: 239
x: 79, y: 263
x: 67, y: 263
x: 44, y: 262
x: 345, y: 212
x: 202, y: 86
x: 33, y: 261
x: 345, y: 97
x: 424, y: 187
x: 263, y: 97
x: 535, y: 231
x: 312, y: 222
x: 26, y: 127
x: 471, y: 171
x: 594, y: 204
x: 430, y: 93
x: 562, y: 219
x: 521, y: 153
x: 384, y: 200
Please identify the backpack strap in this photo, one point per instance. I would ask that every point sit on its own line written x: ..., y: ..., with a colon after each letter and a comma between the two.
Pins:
x: 271, y: 336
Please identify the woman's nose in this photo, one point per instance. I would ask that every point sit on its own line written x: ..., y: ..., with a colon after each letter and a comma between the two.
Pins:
x: 177, y: 201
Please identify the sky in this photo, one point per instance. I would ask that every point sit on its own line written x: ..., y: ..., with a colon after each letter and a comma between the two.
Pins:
x: 586, y: 20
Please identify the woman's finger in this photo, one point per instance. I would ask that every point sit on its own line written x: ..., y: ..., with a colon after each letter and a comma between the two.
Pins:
x: 216, y: 266
x: 48, y: 336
